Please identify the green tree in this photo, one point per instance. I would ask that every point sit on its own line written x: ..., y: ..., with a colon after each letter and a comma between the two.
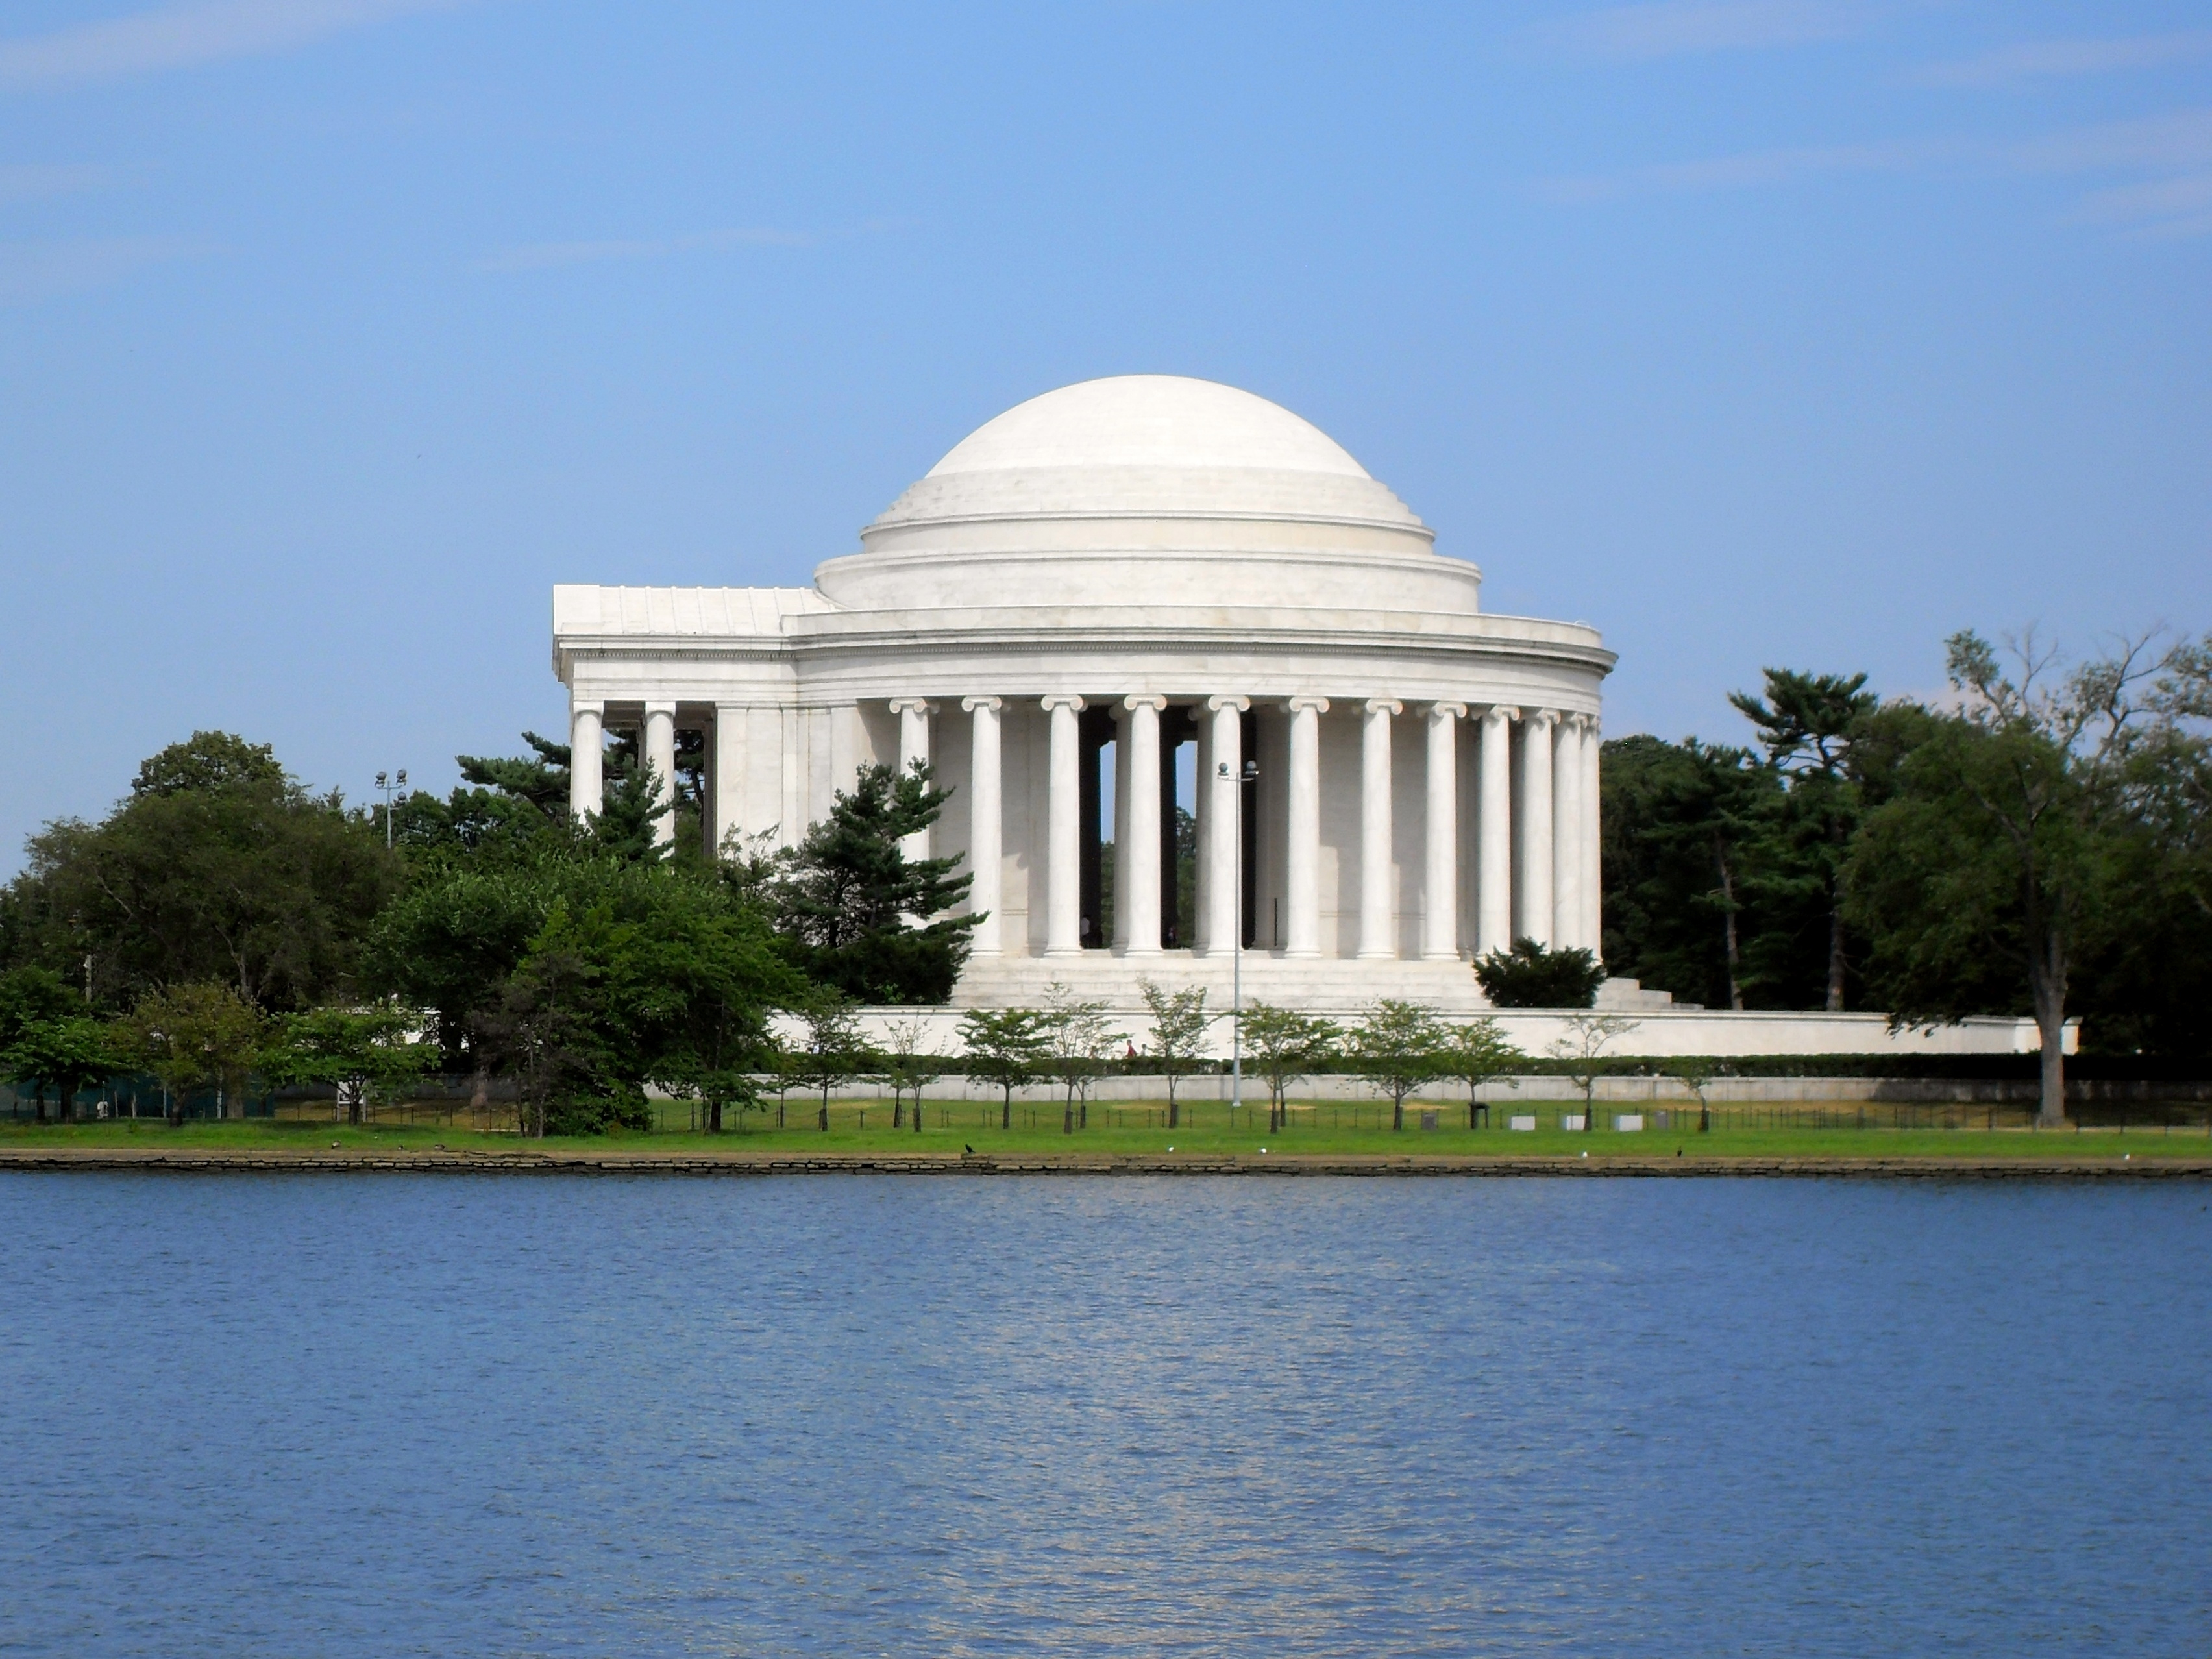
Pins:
x: 1696, y: 1073
x: 1285, y: 1044
x: 836, y: 1053
x: 450, y: 942
x: 1395, y: 1047
x: 1809, y: 724
x: 195, y: 1037
x: 910, y: 1064
x: 546, y: 1030
x: 1683, y: 826
x: 1532, y: 975
x: 507, y: 810
x: 219, y: 866
x: 861, y: 917
x: 1008, y: 1047
x: 1080, y: 1046
x: 1179, y: 1026
x: 68, y: 1054
x: 369, y: 1055
x: 1581, y: 1050
x: 2016, y: 847
x: 1475, y: 1051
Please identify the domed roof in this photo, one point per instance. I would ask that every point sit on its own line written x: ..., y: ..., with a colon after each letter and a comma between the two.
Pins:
x: 1148, y: 420
x: 1146, y: 487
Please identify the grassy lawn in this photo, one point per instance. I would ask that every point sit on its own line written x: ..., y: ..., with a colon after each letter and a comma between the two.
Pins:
x: 1781, y: 1134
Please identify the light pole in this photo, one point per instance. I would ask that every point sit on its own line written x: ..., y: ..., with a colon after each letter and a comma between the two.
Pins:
x: 1246, y: 774
x: 390, y: 786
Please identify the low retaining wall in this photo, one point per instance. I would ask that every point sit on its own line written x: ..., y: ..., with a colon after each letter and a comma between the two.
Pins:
x: 1212, y: 1087
x: 1662, y: 1032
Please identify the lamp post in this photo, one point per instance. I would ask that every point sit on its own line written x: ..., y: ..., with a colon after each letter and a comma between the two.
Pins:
x: 390, y: 786
x: 1246, y: 774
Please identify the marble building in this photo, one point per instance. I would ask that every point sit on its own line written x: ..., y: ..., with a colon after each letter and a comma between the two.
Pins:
x: 1121, y: 599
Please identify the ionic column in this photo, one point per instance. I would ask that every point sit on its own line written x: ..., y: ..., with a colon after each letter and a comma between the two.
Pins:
x: 1137, y: 860
x: 1063, y: 834
x: 914, y: 714
x: 1533, y: 917
x: 1493, y: 853
x: 1593, y: 842
x: 658, y: 751
x: 1225, y: 786
x: 1440, y: 842
x: 984, y: 861
x: 587, y: 758
x: 1301, y: 927
x: 1378, y: 933
x: 1567, y: 809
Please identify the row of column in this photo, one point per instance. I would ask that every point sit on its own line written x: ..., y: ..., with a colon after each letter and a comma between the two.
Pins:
x: 1556, y: 829
x: 588, y: 754
x: 1537, y: 799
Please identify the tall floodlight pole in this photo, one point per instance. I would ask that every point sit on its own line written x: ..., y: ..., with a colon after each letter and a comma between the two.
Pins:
x: 390, y: 786
x: 1249, y: 771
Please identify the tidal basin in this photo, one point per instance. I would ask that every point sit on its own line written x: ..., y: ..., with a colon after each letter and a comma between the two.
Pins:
x: 377, y: 1415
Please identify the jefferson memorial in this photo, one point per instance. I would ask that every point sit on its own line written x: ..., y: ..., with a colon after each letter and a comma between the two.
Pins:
x: 1386, y: 782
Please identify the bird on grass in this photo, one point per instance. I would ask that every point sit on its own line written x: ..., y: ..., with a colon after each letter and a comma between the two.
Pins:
x: 967, y: 1149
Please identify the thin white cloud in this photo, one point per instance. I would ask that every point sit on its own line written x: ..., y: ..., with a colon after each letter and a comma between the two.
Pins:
x: 546, y: 256
x: 2161, y: 207
x: 2036, y: 60
x: 32, y: 181
x: 2178, y: 141
x: 2174, y: 148
x: 1664, y: 29
x: 2161, y: 169
x: 1748, y: 170
x: 182, y: 36
x: 31, y: 272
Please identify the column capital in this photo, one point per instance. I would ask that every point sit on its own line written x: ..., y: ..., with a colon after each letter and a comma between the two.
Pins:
x: 667, y: 708
x: 1152, y: 699
x: 1061, y: 699
x: 588, y: 706
x: 912, y: 705
x: 1240, y: 704
x: 1504, y: 712
x: 1534, y: 718
x: 1385, y: 706
x: 1302, y: 702
x: 1447, y: 711
x: 969, y: 705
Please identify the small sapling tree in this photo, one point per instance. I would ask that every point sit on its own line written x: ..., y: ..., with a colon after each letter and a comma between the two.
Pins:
x: 1695, y: 1071
x: 1582, y: 1046
x: 1179, y: 1023
x: 910, y: 1064
x: 1006, y: 1047
x: 835, y: 1053
x: 1285, y: 1044
x: 1080, y: 1047
x: 1395, y: 1049
x: 1476, y: 1051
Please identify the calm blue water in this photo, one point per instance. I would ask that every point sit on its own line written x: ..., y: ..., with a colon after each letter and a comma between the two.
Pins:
x: 377, y: 1415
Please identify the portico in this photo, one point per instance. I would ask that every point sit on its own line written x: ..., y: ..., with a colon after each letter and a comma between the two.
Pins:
x: 1182, y: 577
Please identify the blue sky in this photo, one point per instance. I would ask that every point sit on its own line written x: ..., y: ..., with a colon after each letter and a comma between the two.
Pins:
x: 333, y: 333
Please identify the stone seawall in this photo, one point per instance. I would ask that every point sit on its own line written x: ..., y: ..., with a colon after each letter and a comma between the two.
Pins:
x: 613, y: 1161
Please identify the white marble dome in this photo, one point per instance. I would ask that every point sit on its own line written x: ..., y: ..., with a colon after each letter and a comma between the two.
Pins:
x: 1183, y: 490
